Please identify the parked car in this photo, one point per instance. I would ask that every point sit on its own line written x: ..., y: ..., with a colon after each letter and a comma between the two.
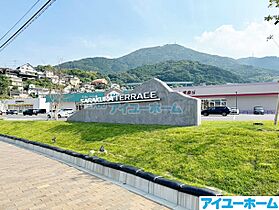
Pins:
x: 259, y: 110
x: 62, y: 113
x: 223, y: 110
x: 65, y: 113
x: 41, y: 111
x: 30, y: 112
x: 11, y: 112
x: 234, y: 110
x: 50, y: 114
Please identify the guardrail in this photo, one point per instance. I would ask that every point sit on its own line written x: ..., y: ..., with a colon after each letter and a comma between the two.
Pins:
x: 179, y: 194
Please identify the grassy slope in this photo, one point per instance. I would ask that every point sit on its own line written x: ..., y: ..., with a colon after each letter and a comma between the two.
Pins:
x: 237, y: 157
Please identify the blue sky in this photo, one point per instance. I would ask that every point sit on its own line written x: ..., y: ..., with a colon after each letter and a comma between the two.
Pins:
x: 74, y: 29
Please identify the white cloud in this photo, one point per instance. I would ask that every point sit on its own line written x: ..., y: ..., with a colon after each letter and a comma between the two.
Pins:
x: 227, y: 41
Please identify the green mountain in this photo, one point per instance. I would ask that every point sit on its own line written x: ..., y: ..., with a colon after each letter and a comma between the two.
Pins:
x: 177, y: 71
x: 268, y: 62
x: 172, y: 52
x: 100, y: 64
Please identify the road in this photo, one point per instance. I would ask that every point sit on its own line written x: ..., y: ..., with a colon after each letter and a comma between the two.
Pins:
x: 21, y: 117
x: 241, y: 117
x: 32, y: 181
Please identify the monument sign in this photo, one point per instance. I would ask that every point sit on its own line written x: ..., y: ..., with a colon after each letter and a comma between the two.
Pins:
x: 153, y: 102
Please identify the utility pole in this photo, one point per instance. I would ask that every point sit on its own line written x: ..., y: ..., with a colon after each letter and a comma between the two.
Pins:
x: 277, y: 110
x: 236, y: 99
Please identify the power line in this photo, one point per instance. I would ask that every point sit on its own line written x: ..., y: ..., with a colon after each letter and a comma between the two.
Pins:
x: 19, y: 21
x: 27, y: 23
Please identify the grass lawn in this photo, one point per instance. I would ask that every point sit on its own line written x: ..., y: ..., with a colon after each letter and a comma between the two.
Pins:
x: 236, y: 157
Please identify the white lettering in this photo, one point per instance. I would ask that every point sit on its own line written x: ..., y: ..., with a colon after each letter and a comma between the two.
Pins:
x: 116, y: 98
x: 146, y: 95
x: 110, y: 98
x: 153, y: 94
x: 92, y: 100
x: 127, y: 97
x: 133, y: 96
x: 139, y: 96
x: 121, y: 97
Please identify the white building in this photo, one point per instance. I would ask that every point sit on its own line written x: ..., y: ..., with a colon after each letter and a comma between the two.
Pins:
x: 243, y: 96
x: 68, y: 89
x: 49, y: 74
x: 72, y: 80
x: 40, y: 92
x: 115, y: 86
x: 57, y: 80
x: 22, y: 104
x: 2, y: 106
x: 15, y: 80
x: 40, y: 74
x: 27, y: 70
x: 86, y: 88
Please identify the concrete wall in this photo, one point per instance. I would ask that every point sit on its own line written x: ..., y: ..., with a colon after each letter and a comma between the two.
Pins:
x: 245, y: 88
x: 42, y: 104
x: 68, y: 105
x: 246, y: 104
x: 2, y: 106
x: 173, y: 109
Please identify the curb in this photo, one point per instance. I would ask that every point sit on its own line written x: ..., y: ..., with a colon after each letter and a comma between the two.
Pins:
x: 180, y: 195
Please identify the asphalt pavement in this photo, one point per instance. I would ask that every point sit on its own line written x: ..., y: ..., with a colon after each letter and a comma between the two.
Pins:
x: 40, y: 117
x: 241, y: 117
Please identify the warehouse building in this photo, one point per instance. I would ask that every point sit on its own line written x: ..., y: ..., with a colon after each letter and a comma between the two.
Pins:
x: 243, y: 96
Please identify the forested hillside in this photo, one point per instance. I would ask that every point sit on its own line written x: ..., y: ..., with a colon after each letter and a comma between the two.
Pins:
x: 177, y: 71
x: 174, y: 52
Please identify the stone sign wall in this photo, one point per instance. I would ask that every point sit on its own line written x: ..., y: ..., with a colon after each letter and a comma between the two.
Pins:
x: 151, y: 103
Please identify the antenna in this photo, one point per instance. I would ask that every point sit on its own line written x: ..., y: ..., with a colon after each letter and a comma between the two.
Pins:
x: 14, y: 63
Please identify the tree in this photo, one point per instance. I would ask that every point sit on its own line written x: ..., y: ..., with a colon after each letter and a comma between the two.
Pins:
x: 4, y: 85
x: 83, y: 75
x: 45, y: 68
x: 56, y: 99
x: 273, y: 3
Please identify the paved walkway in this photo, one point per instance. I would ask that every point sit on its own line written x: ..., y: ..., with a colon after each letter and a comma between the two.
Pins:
x: 32, y: 181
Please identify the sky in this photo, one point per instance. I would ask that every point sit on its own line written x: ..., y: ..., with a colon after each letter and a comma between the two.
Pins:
x: 75, y: 29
